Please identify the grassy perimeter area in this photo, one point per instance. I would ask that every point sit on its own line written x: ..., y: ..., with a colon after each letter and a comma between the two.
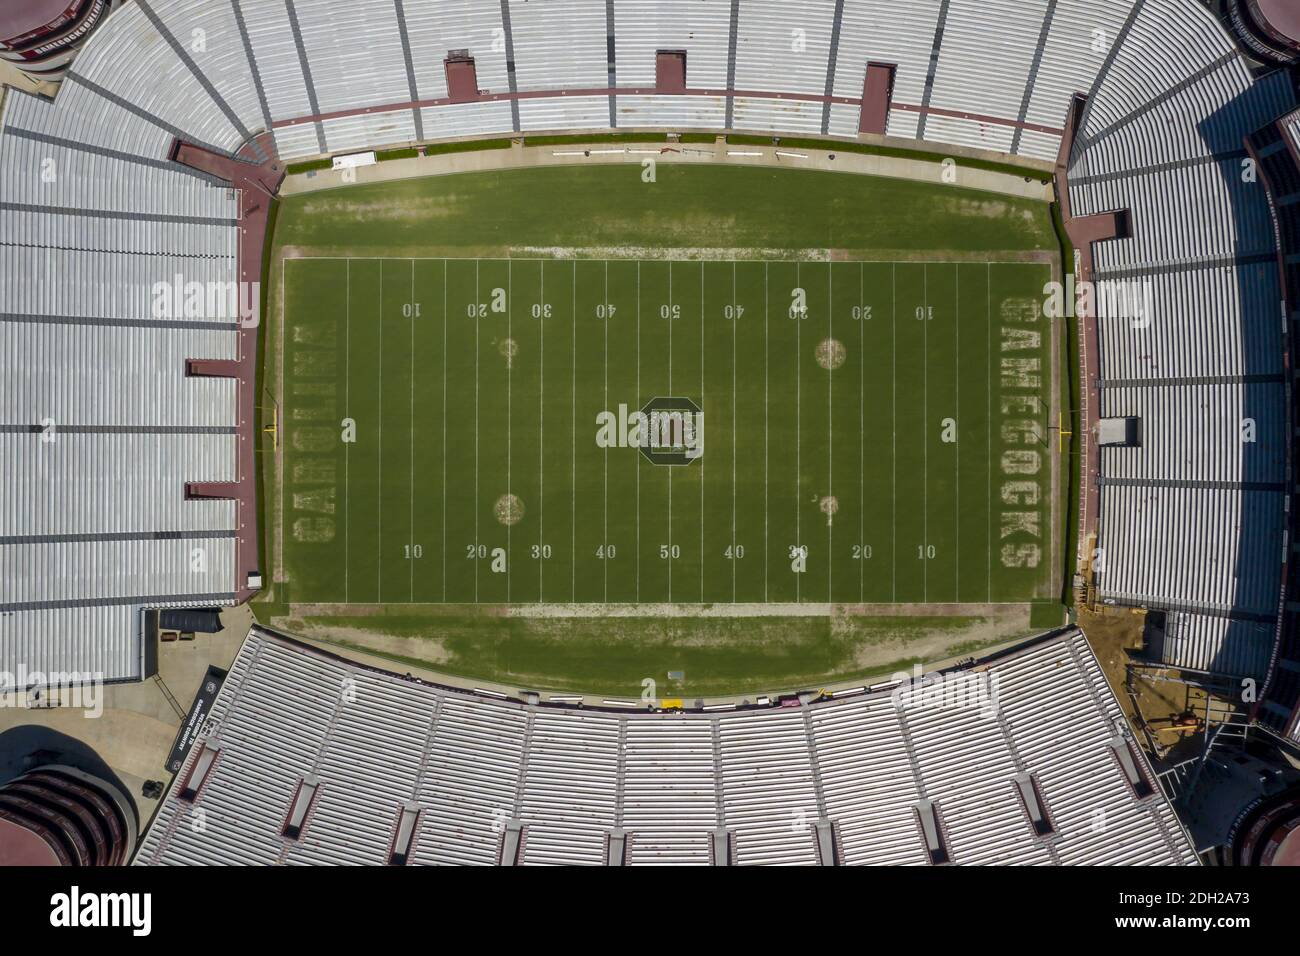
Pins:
x: 614, y: 656
x: 745, y: 210
x: 852, y: 464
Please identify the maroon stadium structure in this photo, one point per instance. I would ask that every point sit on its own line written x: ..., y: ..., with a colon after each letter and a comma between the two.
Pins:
x: 41, y: 36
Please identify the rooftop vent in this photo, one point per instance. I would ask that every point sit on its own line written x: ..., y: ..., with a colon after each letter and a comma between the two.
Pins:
x: 721, y: 847
x: 1027, y: 787
x: 1132, y: 767
x: 512, y: 844
x: 927, y: 815
x: 616, y: 846
x: 827, y: 843
x: 199, y: 771
x: 403, y: 836
x: 302, y: 801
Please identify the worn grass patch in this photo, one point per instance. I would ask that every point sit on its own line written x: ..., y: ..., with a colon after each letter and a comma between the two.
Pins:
x: 614, y: 656
x: 687, y: 206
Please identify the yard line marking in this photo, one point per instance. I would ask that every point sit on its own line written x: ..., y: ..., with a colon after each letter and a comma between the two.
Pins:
x: 830, y: 431
x: 605, y: 505
x: 347, y: 447
x: 925, y: 434
x: 444, y: 430
x: 281, y: 452
x: 956, y: 363
x: 798, y: 426
x: 701, y: 412
x: 766, y: 562
x: 638, y: 457
x: 477, y: 295
x: 573, y: 442
x: 411, y: 460
x: 862, y: 438
x: 988, y: 318
x: 510, y: 308
x: 734, y: 323
x: 541, y: 429
x: 671, y: 303
x: 380, y: 497
x: 893, y: 454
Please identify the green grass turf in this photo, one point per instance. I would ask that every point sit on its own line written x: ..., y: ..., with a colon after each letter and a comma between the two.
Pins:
x: 614, y: 656
x: 781, y: 432
x: 457, y: 405
x: 688, y: 207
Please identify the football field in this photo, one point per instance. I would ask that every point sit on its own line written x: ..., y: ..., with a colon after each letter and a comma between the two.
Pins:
x: 833, y: 432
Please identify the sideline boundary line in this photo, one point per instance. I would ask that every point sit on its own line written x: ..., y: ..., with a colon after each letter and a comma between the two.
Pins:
x: 1053, y: 512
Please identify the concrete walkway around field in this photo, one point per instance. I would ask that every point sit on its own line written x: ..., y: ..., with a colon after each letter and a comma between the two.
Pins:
x: 134, y: 732
x: 632, y: 154
x: 13, y: 78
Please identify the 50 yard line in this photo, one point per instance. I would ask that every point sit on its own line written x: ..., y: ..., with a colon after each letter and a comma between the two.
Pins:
x: 638, y: 405
x: 347, y: 448
x: 670, y: 391
x: 605, y: 503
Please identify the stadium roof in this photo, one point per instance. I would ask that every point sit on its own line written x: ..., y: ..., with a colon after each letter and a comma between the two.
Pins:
x: 309, y: 758
x: 1283, y: 16
x: 21, y: 17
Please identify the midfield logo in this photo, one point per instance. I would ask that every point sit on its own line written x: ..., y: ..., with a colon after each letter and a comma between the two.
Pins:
x: 667, y: 431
